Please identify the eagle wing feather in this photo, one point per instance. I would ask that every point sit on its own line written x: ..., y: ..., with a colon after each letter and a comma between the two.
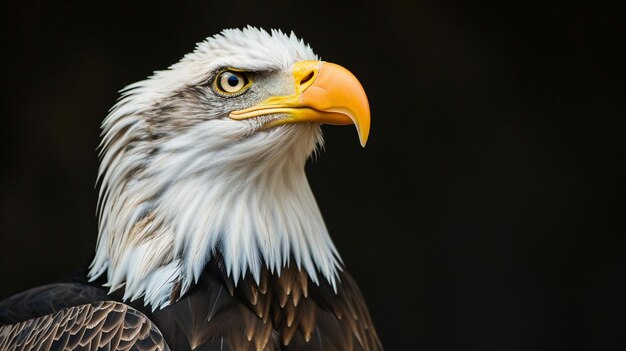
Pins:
x: 102, y: 325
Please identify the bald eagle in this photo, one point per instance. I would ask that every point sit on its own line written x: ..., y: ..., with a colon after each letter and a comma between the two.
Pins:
x: 209, y: 235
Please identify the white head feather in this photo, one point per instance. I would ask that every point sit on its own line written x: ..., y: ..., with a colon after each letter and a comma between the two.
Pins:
x: 177, y: 190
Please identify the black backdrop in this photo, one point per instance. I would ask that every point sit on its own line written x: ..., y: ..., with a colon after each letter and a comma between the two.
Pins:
x: 486, y: 212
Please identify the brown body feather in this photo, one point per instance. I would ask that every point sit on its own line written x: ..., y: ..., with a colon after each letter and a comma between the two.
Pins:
x: 281, y: 312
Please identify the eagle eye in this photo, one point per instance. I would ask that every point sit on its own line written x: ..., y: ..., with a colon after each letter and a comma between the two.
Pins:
x: 231, y: 82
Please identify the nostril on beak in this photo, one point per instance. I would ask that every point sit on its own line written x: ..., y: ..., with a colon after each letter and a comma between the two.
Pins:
x: 307, y: 78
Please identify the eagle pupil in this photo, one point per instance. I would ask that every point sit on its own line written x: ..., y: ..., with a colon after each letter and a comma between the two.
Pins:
x: 233, y: 81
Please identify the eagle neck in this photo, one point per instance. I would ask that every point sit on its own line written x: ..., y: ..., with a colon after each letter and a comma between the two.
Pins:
x: 189, y: 203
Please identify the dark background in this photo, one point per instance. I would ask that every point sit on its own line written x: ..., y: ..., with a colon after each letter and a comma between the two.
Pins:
x: 486, y: 212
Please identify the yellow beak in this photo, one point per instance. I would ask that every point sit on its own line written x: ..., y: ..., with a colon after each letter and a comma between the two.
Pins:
x: 324, y: 93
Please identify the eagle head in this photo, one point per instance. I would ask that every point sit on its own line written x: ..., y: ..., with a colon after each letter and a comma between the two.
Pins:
x: 207, y: 158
